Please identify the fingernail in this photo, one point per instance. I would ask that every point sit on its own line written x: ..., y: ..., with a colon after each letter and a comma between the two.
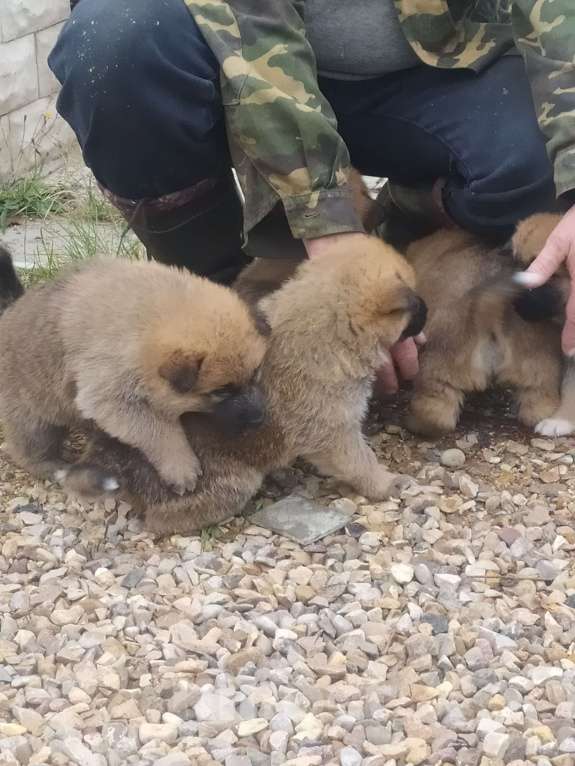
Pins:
x: 527, y: 279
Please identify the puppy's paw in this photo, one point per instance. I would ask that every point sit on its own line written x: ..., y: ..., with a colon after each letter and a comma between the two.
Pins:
x: 181, y: 477
x: 431, y: 423
x: 386, y: 484
x: 555, y: 427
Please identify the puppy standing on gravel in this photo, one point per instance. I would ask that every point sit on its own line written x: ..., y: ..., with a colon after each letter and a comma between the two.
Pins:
x: 130, y: 347
x: 474, y: 335
x: 549, y: 302
x: 332, y: 325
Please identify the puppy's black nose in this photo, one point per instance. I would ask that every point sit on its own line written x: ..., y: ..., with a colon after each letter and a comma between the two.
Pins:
x: 245, y: 410
x: 253, y: 410
x: 418, y: 318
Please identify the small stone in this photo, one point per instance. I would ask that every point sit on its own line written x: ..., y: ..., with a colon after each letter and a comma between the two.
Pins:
x: 543, y: 733
x: 487, y: 726
x: 402, y: 573
x: 418, y: 751
x: 174, y: 759
x: 452, y: 458
x: 498, y: 641
x: 11, y: 729
x: 547, y: 570
x: 567, y: 745
x: 348, y: 756
x: 253, y: 726
x: 495, y: 744
x: 309, y: 728
x: 79, y: 753
x: 537, y: 516
x: 164, y: 732
x: 279, y: 741
x: 32, y: 721
x: 67, y: 616
x: 423, y: 574
x: 214, y: 707
x: 446, y: 580
x: 543, y: 673
x: 497, y: 702
x: 509, y: 535
x: 468, y: 487
x: 439, y: 623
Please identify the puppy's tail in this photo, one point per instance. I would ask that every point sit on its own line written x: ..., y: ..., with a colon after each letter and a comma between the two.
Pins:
x: 493, y: 297
x: 88, y: 481
x: 10, y: 286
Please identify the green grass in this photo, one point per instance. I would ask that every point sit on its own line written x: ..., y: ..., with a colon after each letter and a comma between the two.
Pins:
x: 83, y: 224
x: 31, y: 197
x: 96, y: 208
x: 83, y: 240
x: 209, y: 536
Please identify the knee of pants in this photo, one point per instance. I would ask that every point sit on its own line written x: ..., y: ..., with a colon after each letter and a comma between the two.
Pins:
x: 136, y: 76
x: 517, y: 186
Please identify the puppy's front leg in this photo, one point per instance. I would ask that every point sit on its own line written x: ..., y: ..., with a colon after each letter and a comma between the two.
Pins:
x: 162, y: 442
x: 169, y: 451
x: 353, y: 461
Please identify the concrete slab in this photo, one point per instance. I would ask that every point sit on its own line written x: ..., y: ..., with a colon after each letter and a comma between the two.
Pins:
x: 300, y: 519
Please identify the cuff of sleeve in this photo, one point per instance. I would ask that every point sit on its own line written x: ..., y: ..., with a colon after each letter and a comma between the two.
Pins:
x: 321, y: 213
x: 565, y: 174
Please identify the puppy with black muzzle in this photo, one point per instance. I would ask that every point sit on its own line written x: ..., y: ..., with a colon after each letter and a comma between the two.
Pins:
x: 129, y: 347
x: 333, y: 324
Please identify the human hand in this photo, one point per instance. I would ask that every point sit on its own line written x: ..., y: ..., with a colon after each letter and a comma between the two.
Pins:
x: 404, y: 365
x: 559, y: 250
x: 325, y: 246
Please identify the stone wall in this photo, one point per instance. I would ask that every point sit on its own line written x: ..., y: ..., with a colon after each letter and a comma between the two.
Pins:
x: 31, y: 133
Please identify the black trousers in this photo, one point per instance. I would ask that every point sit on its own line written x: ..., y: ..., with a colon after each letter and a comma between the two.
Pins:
x: 140, y: 90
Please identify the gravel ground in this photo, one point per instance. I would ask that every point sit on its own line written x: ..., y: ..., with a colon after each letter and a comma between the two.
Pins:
x: 435, y: 629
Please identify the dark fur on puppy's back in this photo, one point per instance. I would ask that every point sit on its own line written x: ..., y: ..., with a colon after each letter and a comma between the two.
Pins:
x: 10, y: 286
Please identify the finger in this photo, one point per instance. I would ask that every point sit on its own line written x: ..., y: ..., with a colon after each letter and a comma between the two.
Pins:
x: 550, y: 258
x: 568, y: 335
x: 386, y: 380
x: 404, y: 355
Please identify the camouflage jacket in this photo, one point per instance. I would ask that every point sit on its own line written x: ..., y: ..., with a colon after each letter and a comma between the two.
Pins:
x: 283, y: 133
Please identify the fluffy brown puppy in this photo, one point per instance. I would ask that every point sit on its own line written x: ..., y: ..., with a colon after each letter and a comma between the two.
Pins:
x: 332, y: 324
x: 474, y: 335
x: 130, y: 347
x: 527, y: 243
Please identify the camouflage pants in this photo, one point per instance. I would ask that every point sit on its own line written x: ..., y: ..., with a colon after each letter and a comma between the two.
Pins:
x: 140, y: 89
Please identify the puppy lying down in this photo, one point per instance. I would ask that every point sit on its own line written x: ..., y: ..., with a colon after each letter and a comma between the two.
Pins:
x: 332, y: 326
x: 475, y: 335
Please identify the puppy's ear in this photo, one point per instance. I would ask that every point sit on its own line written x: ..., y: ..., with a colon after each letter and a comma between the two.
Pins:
x: 181, y: 371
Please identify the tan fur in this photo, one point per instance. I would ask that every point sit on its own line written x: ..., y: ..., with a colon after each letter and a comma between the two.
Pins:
x: 528, y: 242
x: 475, y: 337
x: 129, y: 346
x: 531, y: 235
x: 331, y: 327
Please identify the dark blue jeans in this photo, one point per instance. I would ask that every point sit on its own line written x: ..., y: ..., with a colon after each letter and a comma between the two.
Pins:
x: 140, y: 90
